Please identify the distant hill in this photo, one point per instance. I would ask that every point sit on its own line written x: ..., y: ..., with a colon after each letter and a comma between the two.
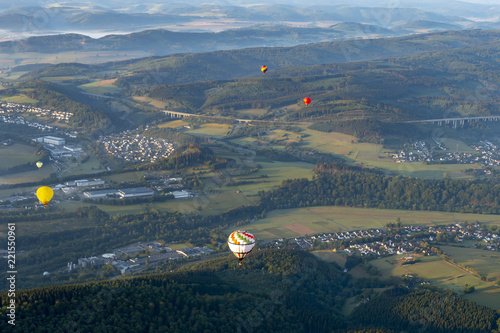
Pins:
x: 361, y: 29
x: 424, y: 26
x: 163, y: 42
x: 71, y: 17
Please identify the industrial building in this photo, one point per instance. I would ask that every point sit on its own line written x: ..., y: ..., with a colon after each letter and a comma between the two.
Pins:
x: 85, y: 182
x: 181, y: 194
x: 54, y: 140
x: 99, y: 194
x: 135, y: 192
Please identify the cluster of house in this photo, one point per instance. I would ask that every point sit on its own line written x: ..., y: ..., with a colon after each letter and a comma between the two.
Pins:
x: 485, y: 153
x: 40, y: 112
x: 19, y: 120
x: 158, y: 253
x: 399, y: 244
x: 136, y: 147
x: 161, y: 181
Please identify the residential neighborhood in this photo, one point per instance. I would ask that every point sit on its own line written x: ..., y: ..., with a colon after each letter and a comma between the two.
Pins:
x: 135, y: 147
x: 379, y: 242
x: 485, y: 153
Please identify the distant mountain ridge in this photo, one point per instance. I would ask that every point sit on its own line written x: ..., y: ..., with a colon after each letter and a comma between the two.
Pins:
x: 65, y: 18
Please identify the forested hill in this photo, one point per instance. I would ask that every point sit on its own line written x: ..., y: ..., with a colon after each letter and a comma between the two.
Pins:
x: 182, y: 68
x: 87, y: 113
x: 424, y: 85
x: 274, y: 291
x: 266, y: 294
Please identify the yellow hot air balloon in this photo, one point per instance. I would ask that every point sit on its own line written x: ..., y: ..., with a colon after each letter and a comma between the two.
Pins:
x: 44, y: 194
x: 39, y: 164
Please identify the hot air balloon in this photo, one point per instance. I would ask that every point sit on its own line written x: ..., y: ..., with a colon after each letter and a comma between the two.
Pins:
x: 39, y: 164
x: 263, y: 69
x: 241, y: 243
x: 44, y: 194
x: 307, y: 101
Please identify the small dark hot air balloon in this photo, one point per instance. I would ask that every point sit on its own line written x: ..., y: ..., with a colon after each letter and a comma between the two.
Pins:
x: 263, y: 69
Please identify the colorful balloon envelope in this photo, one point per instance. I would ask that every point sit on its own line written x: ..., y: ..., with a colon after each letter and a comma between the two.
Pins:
x: 44, y: 194
x: 39, y: 164
x: 241, y: 243
x: 307, y: 101
x: 263, y: 69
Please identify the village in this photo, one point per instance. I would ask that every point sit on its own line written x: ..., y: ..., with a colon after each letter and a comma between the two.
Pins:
x: 485, y: 153
x: 410, y: 239
x: 9, y: 107
x: 135, y: 147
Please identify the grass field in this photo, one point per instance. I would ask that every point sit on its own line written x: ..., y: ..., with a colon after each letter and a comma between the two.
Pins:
x: 174, y: 124
x: 210, y: 204
x: 271, y: 175
x: 91, y: 166
x: 365, y: 154
x: 212, y: 129
x: 153, y: 102
x: 330, y: 256
x: 21, y: 99
x: 441, y: 274
x: 333, y: 219
x: 26, y: 177
x: 34, y: 228
x: 454, y: 145
x: 250, y: 112
x: 87, y: 57
x: 16, y: 154
x: 374, y: 155
x: 126, y: 177
x: 485, y: 262
x: 100, y: 87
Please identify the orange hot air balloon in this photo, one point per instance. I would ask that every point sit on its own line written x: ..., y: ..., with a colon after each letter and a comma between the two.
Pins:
x: 44, y: 194
x: 307, y: 101
x: 263, y: 69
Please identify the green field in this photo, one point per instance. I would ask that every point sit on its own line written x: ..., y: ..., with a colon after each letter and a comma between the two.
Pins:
x: 16, y: 154
x: 21, y: 99
x: 205, y: 204
x: 153, y: 102
x: 442, y: 274
x: 134, y: 176
x: 100, y: 87
x: 330, y: 256
x: 271, y: 175
x: 333, y: 219
x: 250, y: 112
x: 36, y: 228
x: 484, y: 262
x: 369, y: 155
x: 27, y: 177
x: 174, y: 124
x: 212, y: 129
x: 86, y: 57
x: 454, y: 145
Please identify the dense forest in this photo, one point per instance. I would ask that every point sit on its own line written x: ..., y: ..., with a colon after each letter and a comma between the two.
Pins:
x: 274, y: 291
x: 378, y: 191
x: 426, y: 310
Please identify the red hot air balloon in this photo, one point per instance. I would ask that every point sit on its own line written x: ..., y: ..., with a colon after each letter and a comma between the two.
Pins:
x: 307, y: 101
x: 263, y: 69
